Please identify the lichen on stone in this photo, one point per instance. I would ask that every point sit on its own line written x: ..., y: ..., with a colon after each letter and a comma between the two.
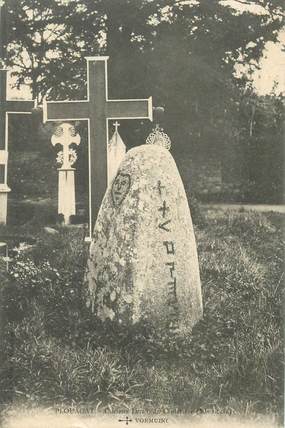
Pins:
x: 143, y: 258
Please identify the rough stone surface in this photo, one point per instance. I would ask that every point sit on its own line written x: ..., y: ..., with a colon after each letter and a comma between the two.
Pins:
x: 143, y: 260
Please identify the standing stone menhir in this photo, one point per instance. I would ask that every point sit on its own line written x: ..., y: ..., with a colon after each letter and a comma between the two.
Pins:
x: 143, y: 262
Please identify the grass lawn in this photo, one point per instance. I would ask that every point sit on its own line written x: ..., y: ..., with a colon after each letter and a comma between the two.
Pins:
x: 56, y: 354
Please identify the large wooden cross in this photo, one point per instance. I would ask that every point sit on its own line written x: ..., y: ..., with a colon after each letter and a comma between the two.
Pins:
x: 7, y: 107
x: 97, y: 110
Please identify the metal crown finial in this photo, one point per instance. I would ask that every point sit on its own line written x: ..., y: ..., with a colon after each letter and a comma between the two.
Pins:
x: 159, y: 138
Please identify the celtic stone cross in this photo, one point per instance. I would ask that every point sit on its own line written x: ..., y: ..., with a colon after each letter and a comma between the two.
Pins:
x: 65, y: 135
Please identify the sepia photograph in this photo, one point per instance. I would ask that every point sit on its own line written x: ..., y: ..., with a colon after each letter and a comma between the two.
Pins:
x: 142, y: 213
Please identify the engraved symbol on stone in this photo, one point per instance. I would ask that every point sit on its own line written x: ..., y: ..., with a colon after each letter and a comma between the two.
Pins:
x: 159, y: 186
x: 163, y: 209
x: 172, y: 286
x: 171, y: 268
x: 120, y: 188
x: 172, y: 292
x: 170, y: 248
x: 163, y: 225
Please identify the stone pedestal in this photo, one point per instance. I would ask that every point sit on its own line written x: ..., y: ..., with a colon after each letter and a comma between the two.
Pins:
x: 4, y: 190
x: 66, y: 193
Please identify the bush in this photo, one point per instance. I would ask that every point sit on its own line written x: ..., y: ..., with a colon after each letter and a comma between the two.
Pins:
x: 32, y: 175
x: 49, y: 277
x: 34, y: 213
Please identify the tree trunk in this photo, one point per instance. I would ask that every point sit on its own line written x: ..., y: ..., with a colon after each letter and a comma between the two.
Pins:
x: 252, y: 120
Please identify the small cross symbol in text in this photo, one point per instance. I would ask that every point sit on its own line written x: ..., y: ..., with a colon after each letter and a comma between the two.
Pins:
x: 159, y: 186
x: 163, y: 209
x: 127, y: 420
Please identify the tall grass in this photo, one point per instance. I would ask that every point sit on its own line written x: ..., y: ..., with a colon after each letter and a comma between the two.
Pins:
x: 56, y: 352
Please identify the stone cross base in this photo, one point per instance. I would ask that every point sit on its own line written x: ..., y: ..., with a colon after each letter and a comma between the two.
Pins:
x: 4, y: 190
x: 66, y: 193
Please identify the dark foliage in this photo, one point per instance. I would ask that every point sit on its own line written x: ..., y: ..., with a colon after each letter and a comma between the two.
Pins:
x: 185, y: 55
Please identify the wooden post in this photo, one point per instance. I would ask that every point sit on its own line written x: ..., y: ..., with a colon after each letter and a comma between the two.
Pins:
x: 7, y: 107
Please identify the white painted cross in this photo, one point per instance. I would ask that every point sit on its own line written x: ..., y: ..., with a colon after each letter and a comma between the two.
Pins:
x: 116, y: 153
x: 65, y: 135
x: 116, y: 125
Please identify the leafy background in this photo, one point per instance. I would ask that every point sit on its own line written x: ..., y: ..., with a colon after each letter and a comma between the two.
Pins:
x: 197, y: 59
